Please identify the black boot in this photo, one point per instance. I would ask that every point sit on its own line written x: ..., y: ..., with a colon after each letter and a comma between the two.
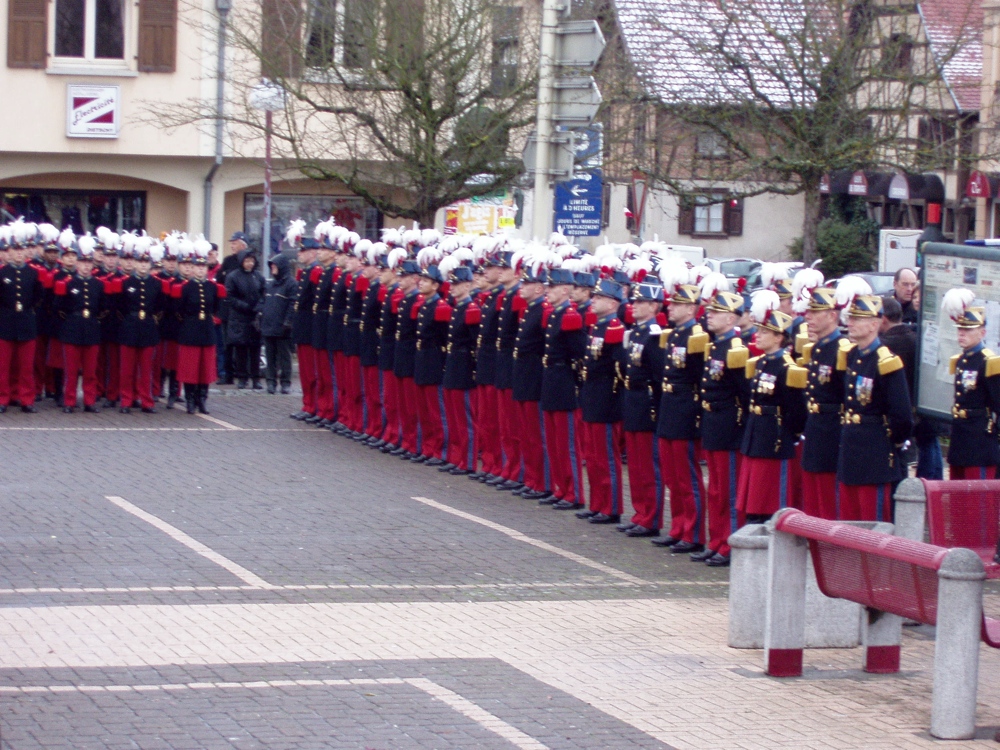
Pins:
x: 189, y: 397
x: 202, y: 397
x: 172, y: 390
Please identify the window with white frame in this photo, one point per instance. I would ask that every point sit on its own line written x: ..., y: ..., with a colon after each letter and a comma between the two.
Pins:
x: 90, y: 30
x: 708, y: 216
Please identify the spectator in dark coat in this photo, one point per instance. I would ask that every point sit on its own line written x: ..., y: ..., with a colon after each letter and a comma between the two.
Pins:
x: 276, y: 313
x: 245, y: 291
x: 231, y: 262
x: 904, y: 284
x: 901, y: 338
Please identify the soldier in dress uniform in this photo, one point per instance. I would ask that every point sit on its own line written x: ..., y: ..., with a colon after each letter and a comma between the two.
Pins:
x: 140, y: 305
x: 877, y: 418
x: 825, y: 357
x: 357, y: 284
x: 432, y: 316
x: 43, y: 253
x: 390, y: 295
x: 487, y: 412
x: 302, y: 318
x: 169, y: 326
x: 684, y: 345
x: 512, y: 306
x: 321, y: 277
x: 529, y: 348
x: 65, y: 270
x: 776, y: 277
x: 109, y: 366
x: 197, y: 305
x: 80, y: 305
x: 564, y: 347
x: 724, y: 398
x: 339, y: 282
x: 459, y: 381
x: 640, y: 370
x: 371, y: 316
x: 21, y: 294
x: 776, y: 415
x: 406, y: 304
x: 974, y: 451
x: 601, y: 405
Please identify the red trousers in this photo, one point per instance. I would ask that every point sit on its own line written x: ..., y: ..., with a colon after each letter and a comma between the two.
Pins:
x: 354, y: 395
x: 308, y: 377
x: 44, y: 378
x: 604, y: 466
x: 460, y: 416
x: 137, y: 375
x: 390, y: 405
x: 508, y: 416
x: 819, y: 494
x: 196, y: 365
x: 409, y: 397
x: 972, y: 472
x: 645, y: 479
x: 372, y: 378
x: 157, y: 367
x: 324, y: 386
x: 339, y: 386
x: 766, y: 485
x: 488, y: 429
x: 530, y: 429
x: 76, y: 360
x: 683, y: 480
x: 565, y: 464
x: 53, y: 356
x: 430, y: 413
x: 110, y: 371
x: 723, y: 480
x: 865, y: 502
x: 17, y: 372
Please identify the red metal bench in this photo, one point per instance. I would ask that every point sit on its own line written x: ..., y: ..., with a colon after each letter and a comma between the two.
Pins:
x: 966, y: 513
x: 894, y: 578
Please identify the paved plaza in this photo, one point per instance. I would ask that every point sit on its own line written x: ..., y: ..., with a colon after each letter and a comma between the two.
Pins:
x: 244, y: 581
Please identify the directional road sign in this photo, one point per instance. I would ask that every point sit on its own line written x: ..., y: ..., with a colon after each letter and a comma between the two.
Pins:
x: 579, y: 205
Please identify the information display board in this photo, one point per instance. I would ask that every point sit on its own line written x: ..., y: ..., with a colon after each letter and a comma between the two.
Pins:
x: 947, y: 266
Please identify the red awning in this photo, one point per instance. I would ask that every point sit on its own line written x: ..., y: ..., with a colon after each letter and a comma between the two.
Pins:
x: 982, y: 185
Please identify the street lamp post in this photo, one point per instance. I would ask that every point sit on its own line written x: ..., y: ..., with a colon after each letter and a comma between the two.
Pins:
x: 269, y: 97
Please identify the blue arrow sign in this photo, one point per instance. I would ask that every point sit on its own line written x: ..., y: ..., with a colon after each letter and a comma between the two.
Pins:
x: 579, y: 205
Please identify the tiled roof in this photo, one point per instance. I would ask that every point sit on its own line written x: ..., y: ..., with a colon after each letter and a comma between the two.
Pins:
x: 673, y: 46
x: 955, y: 31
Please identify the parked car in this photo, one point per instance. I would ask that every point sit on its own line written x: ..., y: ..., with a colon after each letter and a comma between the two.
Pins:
x: 754, y: 282
x: 733, y: 268
x: 879, y: 281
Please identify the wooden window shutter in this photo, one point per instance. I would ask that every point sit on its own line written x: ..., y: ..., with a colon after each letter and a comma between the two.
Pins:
x: 685, y: 221
x: 734, y: 217
x: 157, y: 36
x: 281, y: 33
x: 26, y: 33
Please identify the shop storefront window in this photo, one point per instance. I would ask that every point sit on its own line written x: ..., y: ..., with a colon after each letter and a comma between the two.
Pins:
x: 81, y: 210
x: 349, y: 212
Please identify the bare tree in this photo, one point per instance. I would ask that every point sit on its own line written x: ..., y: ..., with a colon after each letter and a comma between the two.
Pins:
x: 410, y: 104
x: 768, y: 96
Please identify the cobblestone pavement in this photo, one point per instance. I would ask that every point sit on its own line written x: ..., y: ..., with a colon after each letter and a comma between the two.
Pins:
x: 243, y: 581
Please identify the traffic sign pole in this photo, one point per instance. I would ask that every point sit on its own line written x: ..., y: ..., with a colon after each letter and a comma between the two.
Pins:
x: 541, y: 218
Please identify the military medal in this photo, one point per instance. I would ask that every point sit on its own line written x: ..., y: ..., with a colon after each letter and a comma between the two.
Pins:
x: 715, y: 368
x: 201, y: 316
x: 19, y: 307
x: 86, y: 313
x: 679, y: 356
x: 863, y: 387
x: 969, y: 378
x: 142, y: 315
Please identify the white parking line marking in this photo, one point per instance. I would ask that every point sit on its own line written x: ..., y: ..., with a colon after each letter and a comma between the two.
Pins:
x: 453, y: 700
x: 519, y: 536
x: 220, y: 422
x: 229, y: 428
x: 251, y: 579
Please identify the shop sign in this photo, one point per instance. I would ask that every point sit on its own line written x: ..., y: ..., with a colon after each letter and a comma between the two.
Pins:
x: 978, y: 186
x: 93, y: 111
x: 858, y: 184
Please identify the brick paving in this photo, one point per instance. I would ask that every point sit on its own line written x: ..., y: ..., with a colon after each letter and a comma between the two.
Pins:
x: 367, y: 619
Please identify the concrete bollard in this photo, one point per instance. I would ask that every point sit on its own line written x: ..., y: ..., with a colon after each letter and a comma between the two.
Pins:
x: 911, y: 509
x: 956, y: 645
x: 785, y: 613
x: 748, y: 586
x: 881, y: 635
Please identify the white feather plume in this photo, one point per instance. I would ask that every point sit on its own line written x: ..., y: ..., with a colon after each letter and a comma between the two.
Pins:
x: 396, y: 256
x: 188, y: 249
x: 713, y: 283
x: 375, y: 250
x: 429, y: 256
x: 296, y: 228
x: 956, y: 301
x: 321, y: 229
x: 447, y: 265
x: 142, y: 244
x: 806, y: 279
x: 391, y: 236
x: 66, y: 238
x: 24, y: 232
x: 48, y: 232
x: 762, y: 302
x: 412, y: 236
x: 86, y: 243
x: 128, y: 242
x: 850, y: 287
x: 429, y: 237
x: 362, y: 248
x: 156, y: 253
x: 201, y: 245
x: 673, y: 272
x: 772, y: 272
x: 639, y: 268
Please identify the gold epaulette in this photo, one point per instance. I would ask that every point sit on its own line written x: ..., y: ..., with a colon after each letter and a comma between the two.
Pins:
x: 953, y: 363
x: 887, y: 361
x: 751, y: 367
x: 807, y: 354
x: 697, y: 341
x: 664, y: 335
x: 845, y: 347
x: 992, y: 363
x: 796, y: 377
x: 802, y: 338
x: 737, y: 355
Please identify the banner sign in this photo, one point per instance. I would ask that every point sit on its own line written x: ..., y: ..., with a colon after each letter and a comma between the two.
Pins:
x: 93, y: 111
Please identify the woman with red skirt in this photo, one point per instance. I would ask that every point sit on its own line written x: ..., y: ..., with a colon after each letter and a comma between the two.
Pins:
x: 777, y: 416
